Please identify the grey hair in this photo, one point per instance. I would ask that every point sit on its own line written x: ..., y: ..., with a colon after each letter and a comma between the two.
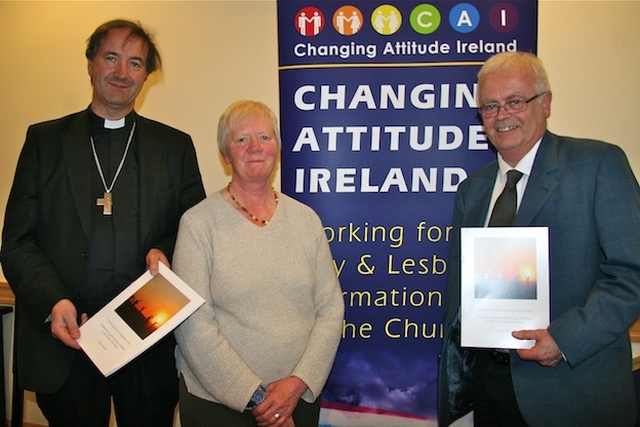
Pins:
x: 517, y: 60
x: 239, y: 111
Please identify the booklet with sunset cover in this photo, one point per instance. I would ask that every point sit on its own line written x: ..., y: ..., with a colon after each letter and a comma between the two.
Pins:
x: 504, y: 285
x: 145, y: 312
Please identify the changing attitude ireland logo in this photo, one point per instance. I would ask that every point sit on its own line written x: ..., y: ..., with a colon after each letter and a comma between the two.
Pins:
x: 387, y: 19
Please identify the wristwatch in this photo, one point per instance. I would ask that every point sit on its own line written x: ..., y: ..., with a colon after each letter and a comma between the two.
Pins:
x: 257, y: 398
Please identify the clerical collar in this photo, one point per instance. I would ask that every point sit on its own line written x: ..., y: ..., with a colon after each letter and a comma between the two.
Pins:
x: 99, y: 124
x: 114, y: 124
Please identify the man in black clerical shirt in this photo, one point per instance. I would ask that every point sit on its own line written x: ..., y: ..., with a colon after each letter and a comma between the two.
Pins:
x: 96, y: 200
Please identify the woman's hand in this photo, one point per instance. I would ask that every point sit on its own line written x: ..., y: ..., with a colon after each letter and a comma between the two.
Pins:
x: 282, y: 398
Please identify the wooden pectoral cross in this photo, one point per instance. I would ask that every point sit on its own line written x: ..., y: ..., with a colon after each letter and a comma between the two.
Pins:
x: 106, y: 202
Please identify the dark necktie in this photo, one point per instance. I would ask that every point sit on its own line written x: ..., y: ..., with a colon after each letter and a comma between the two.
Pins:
x: 504, y: 211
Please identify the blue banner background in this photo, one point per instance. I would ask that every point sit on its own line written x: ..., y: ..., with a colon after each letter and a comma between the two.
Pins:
x: 390, y: 243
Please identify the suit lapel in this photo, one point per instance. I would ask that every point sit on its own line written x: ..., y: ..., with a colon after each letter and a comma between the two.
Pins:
x: 79, y: 164
x: 542, y: 182
x: 149, y: 158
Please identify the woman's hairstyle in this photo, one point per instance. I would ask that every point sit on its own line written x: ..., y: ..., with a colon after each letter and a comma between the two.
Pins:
x: 238, y: 112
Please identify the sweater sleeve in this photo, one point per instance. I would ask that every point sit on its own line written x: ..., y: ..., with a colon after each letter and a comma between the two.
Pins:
x: 315, y: 364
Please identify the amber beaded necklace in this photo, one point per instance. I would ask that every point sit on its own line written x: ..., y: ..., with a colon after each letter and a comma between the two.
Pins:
x: 245, y: 210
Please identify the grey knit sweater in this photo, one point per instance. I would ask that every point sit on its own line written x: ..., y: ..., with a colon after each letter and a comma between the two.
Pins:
x: 273, y: 307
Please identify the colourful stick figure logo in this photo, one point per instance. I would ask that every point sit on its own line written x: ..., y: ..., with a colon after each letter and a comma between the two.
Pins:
x: 309, y: 21
x: 347, y: 20
x: 386, y: 19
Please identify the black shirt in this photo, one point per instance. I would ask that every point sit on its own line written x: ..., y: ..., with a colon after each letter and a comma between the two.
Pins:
x: 115, y: 258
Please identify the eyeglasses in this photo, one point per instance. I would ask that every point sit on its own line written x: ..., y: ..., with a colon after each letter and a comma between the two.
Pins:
x: 516, y: 105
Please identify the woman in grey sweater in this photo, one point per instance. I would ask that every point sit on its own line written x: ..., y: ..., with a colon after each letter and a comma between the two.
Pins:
x: 259, y: 351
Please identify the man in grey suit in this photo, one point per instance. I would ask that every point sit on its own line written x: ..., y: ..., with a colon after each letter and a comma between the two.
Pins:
x: 96, y: 200
x: 579, y: 372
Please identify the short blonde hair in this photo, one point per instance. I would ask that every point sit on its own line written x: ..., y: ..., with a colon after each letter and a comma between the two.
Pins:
x: 517, y: 60
x: 239, y: 111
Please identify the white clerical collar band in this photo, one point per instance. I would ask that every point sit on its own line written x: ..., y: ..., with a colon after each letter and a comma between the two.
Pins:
x: 114, y: 124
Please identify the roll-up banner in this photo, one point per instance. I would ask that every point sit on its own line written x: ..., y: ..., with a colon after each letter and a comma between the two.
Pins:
x: 379, y: 127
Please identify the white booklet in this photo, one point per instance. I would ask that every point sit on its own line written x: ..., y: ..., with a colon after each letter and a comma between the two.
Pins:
x: 504, y: 285
x: 141, y: 315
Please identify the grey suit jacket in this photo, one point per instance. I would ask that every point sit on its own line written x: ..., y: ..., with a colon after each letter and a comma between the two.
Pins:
x: 44, y: 241
x: 587, y: 195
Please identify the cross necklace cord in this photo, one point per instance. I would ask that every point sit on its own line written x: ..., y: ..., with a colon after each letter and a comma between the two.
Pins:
x: 106, y: 201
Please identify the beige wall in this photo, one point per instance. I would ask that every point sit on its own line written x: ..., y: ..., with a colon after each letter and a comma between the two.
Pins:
x: 218, y: 51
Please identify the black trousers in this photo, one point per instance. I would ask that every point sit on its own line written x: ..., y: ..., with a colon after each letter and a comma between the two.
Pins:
x: 145, y: 393
x: 196, y: 412
x: 494, y: 401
